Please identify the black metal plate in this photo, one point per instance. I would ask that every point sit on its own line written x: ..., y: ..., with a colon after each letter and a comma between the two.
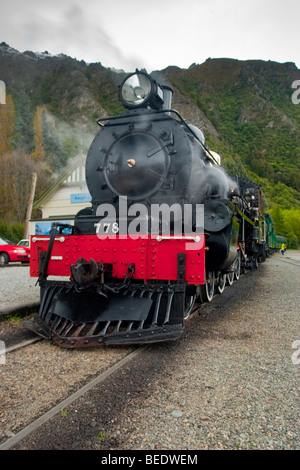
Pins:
x: 86, y: 307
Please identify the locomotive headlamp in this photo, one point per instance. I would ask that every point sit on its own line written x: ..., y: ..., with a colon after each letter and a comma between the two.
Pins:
x: 140, y: 90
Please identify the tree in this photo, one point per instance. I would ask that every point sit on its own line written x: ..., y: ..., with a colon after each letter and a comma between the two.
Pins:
x: 16, y: 170
x: 7, y: 118
x: 287, y: 224
x: 24, y: 134
x: 39, y: 151
x: 277, y: 217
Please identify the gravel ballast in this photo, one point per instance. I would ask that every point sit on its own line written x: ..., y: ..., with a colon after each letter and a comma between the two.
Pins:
x: 17, y: 288
x: 231, y: 381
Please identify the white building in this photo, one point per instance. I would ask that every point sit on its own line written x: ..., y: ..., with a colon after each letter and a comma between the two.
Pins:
x: 61, y: 201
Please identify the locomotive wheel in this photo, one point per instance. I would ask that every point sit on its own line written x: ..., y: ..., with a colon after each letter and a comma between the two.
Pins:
x: 222, y: 283
x: 243, y: 266
x: 189, y: 304
x: 207, y: 290
x: 237, y: 267
x: 263, y: 255
x: 230, y: 278
x: 254, y: 262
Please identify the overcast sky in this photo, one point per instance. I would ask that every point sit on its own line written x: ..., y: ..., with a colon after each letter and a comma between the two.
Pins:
x: 131, y: 34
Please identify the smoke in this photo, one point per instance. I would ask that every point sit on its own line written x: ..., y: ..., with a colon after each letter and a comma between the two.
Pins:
x: 64, y: 143
x: 77, y: 31
x: 209, y: 181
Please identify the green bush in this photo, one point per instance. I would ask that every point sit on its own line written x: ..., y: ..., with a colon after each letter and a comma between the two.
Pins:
x: 14, y: 232
x: 287, y: 224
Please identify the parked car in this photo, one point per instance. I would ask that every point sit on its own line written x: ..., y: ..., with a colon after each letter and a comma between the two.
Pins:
x: 24, y: 242
x: 9, y: 252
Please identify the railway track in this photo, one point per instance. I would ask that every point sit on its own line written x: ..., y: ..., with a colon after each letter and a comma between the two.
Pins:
x: 25, y: 344
x: 38, y: 379
x: 22, y: 344
x: 55, y: 357
x: 63, y: 404
x: 292, y: 262
x: 9, y: 443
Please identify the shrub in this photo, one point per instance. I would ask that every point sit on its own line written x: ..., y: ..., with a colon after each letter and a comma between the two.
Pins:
x: 14, y: 232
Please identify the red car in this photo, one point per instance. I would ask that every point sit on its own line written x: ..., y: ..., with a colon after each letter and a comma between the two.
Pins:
x: 9, y: 252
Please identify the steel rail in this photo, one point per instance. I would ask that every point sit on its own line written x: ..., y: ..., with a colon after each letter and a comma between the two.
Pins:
x: 67, y: 401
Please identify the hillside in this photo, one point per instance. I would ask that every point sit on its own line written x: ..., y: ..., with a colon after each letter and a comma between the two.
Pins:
x: 244, y: 108
x: 249, y: 103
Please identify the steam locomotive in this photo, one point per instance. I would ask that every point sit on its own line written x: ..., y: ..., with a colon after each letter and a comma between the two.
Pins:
x: 166, y: 227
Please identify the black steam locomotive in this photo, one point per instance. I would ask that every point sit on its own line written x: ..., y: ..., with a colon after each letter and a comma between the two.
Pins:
x: 166, y: 226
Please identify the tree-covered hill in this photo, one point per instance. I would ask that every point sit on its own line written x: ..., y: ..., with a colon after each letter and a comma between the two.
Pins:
x: 256, y: 126
x: 250, y: 105
x: 244, y: 108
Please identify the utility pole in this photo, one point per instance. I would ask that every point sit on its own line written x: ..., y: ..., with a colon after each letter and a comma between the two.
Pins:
x: 30, y: 204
